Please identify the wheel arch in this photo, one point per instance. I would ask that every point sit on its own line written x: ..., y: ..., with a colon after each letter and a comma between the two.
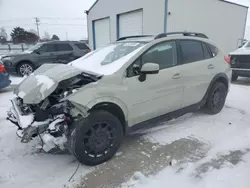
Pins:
x: 24, y: 61
x: 114, y: 109
x: 221, y: 77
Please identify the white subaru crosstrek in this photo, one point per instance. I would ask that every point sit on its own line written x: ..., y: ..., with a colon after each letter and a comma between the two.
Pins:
x: 88, y: 105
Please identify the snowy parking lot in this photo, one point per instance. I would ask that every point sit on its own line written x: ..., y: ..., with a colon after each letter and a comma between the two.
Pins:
x: 196, y: 150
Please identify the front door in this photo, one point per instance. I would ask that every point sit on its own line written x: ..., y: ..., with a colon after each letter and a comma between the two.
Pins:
x: 47, y: 54
x: 159, y: 93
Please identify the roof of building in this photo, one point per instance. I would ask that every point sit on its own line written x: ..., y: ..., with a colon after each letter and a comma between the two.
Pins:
x: 234, y: 3
x: 218, y: 0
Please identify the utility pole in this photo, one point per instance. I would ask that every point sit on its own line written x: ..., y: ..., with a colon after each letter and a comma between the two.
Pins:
x: 66, y: 35
x: 37, y: 20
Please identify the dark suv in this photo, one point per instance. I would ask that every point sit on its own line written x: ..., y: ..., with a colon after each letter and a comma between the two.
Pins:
x: 26, y: 62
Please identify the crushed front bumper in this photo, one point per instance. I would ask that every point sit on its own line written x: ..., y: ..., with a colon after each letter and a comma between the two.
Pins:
x: 23, y: 122
x: 13, y: 114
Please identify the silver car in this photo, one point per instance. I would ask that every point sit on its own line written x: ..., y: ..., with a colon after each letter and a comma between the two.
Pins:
x: 87, y: 106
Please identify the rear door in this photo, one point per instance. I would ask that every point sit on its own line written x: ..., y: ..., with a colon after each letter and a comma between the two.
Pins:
x: 64, y: 53
x: 82, y: 49
x: 198, y: 70
x: 47, y: 54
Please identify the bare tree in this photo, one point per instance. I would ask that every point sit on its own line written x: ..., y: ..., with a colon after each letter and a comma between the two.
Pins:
x: 3, y: 33
x: 46, y: 36
x: 33, y: 31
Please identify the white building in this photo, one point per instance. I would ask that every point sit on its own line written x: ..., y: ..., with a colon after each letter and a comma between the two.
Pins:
x: 223, y: 22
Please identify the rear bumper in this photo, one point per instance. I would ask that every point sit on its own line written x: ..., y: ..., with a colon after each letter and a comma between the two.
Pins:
x: 4, y: 80
x: 241, y: 72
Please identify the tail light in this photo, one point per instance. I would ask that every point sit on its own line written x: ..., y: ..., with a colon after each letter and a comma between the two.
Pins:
x: 227, y: 59
x: 89, y: 50
x: 2, y: 69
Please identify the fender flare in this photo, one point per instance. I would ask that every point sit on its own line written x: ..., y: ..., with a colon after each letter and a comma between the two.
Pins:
x: 222, y: 77
x: 112, y: 100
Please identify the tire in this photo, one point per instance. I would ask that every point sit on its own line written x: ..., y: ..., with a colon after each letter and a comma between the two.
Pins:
x: 97, y: 138
x: 234, y: 78
x: 25, y: 68
x: 216, y: 98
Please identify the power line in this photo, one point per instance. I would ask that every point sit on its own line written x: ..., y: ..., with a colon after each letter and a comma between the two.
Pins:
x: 51, y: 18
x: 64, y: 18
x: 66, y: 24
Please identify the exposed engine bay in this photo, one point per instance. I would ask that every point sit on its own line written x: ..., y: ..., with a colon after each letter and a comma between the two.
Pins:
x: 52, y: 119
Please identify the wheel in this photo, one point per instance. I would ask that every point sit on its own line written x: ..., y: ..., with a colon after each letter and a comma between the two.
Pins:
x: 234, y: 78
x: 25, y: 68
x: 216, y: 98
x: 97, y: 138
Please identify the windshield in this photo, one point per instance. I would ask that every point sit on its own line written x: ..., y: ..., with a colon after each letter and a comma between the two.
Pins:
x: 109, y: 59
x: 37, y: 46
x: 247, y: 45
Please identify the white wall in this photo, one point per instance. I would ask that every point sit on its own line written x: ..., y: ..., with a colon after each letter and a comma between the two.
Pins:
x: 153, y: 15
x: 224, y: 23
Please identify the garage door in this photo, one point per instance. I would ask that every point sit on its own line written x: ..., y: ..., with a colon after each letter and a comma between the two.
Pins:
x: 130, y: 23
x: 102, y: 32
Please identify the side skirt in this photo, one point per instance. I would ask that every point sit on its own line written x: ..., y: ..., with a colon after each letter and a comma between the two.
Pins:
x: 166, y: 117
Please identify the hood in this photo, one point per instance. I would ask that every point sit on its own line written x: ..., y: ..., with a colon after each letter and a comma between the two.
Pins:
x: 40, y: 84
x: 241, y: 51
x: 17, y: 54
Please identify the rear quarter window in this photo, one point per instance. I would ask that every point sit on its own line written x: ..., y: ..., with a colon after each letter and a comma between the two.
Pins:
x: 82, y: 46
x: 213, y: 50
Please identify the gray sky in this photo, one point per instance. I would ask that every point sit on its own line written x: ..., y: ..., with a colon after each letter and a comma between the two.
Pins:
x: 57, y: 16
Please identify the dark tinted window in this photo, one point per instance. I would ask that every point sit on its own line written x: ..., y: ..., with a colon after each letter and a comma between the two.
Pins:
x: 64, y: 47
x: 206, y: 52
x: 48, y: 48
x: 134, y: 69
x: 164, y: 54
x: 191, y: 51
x: 213, y: 50
x: 82, y: 46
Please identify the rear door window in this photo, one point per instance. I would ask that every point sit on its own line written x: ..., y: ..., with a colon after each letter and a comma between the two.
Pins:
x: 63, y: 47
x: 207, y: 54
x: 213, y: 50
x: 191, y: 51
x: 82, y: 46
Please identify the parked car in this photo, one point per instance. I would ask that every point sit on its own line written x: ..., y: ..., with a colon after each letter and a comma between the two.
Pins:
x: 88, y: 105
x: 26, y: 62
x: 240, y: 61
x: 4, y: 77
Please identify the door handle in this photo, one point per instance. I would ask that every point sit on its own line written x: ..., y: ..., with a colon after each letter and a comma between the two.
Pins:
x: 176, y: 76
x: 210, y: 66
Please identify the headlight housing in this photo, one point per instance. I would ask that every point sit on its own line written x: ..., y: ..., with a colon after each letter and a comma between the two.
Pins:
x: 8, y: 58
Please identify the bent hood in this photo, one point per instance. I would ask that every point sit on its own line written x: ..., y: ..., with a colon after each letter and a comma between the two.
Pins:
x: 241, y: 51
x: 40, y: 84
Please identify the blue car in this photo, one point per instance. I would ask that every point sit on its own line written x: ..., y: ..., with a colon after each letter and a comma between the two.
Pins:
x: 4, y: 77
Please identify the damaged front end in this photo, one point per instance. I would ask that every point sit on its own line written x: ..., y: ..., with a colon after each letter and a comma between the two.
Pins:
x: 45, y: 112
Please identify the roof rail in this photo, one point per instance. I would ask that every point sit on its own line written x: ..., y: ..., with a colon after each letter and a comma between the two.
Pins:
x: 135, y: 36
x: 192, y: 34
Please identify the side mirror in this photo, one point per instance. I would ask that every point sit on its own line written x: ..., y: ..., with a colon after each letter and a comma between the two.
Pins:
x: 37, y: 51
x: 150, y: 68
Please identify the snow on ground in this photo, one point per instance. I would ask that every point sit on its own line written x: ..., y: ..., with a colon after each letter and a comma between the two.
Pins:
x: 227, y: 135
x: 226, y: 160
x: 15, y: 80
x: 23, y: 165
